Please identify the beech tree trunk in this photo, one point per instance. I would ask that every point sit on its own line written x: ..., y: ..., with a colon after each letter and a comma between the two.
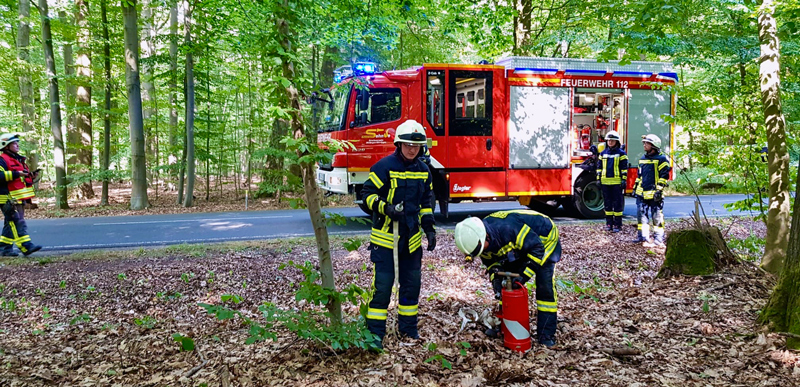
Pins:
x: 55, y: 109
x: 83, y: 114
x: 777, y: 239
x: 25, y: 84
x: 284, y: 15
x: 138, y: 166
x: 189, y: 146
x: 106, y: 154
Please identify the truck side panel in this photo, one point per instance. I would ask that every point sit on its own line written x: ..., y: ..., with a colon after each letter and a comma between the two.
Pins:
x: 538, y: 130
x: 539, y: 182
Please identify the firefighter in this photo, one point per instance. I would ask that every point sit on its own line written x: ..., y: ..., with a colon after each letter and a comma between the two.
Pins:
x: 16, y: 189
x: 654, y: 168
x: 399, y: 178
x: 532, y: 239
x: 612, y: 173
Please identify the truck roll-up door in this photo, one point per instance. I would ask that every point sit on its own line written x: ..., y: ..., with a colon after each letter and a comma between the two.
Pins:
x: 645, y: 111
x: 538, y: 130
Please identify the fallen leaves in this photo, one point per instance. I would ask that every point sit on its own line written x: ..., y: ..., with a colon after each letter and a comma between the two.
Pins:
x: 618, y: 326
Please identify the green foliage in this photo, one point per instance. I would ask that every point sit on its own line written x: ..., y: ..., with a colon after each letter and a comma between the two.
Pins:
x: 587, y: 289
x: 751, y: 247
x: 352, y: 244
x: 438, y: 357
x: 187, y: 344
x: 311, y: 325
x: 147, y: 322
x: 83, y: 317
x: 236, y: 299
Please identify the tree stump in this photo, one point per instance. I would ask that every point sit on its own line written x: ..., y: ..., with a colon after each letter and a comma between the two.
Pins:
x: 695, y: 252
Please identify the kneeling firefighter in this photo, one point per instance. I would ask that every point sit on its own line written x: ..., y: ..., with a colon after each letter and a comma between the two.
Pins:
x: 399, y: 192
x: 533, y: 239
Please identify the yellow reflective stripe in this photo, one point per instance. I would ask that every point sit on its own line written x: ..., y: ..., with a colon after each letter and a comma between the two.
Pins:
x: 22, y: 193
x: 546, y: 306
x: 381, y: 234
x: 528, y: 272
x: 648, y: 161
x: 381, y: 242
x: 408, y: 175
x: 407, y: 310
x: 9, y: 175
x: 416, y: 237
x: 623, y: 157
x: 521, y: 236
x: 550, y: 242
x: 536, y: 259
x: 426, y: 211
x: 6, y: 240
x: 386, y: 222
x: 663, y: 165
x: 609, y: 213
x: 391, y: 190
x: 618, y: 213
x: 371, y: 200
x: 377, y: 314
x: 375, y: 180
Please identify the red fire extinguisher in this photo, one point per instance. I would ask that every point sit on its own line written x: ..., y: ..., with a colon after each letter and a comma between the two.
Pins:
x: 515, y: 315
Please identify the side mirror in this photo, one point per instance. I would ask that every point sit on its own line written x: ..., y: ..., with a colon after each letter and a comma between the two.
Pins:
x: 363, y: 99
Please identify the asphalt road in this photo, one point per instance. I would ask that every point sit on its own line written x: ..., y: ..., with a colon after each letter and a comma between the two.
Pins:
x: 67, y: 234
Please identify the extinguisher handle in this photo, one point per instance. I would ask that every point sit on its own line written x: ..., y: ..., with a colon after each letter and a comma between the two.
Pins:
x: 508, y: 274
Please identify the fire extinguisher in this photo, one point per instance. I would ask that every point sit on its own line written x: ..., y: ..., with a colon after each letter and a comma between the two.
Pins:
x: 514, y: 315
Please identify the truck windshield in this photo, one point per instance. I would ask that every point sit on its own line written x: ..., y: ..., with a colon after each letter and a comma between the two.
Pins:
x: 333, y: 115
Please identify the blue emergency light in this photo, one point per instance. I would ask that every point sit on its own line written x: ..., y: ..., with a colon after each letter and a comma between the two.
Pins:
x: 365, y: 68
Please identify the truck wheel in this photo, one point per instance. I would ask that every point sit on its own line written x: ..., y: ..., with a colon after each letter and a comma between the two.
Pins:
x: 587, y: 199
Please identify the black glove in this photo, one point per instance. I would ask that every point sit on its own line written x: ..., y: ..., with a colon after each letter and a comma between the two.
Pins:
x: 517, y: 283
x: 623, y: 184
x: 392, y: 212
x: 497, y: 286
x: 431, y: 240
x: 658, y: 196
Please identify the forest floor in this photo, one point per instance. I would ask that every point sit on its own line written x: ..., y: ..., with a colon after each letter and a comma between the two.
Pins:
x: 103, y: 319
x: 222, y: 198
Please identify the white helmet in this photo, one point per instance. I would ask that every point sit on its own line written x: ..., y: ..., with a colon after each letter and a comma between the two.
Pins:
x: 410, y: 132
x: 612, y: 135
x: 7, y: 138
x: 470, y: 236
x: 652, y: 139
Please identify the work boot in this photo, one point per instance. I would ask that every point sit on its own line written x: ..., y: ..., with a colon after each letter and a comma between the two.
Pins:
x: 639, y: 240
x: 411, y: 335
x: 29, y: 248
x: 616, y: 230
x: 493, y: 333
x: 548, y: 341
x: 609, y: 228
x: 8, y: 251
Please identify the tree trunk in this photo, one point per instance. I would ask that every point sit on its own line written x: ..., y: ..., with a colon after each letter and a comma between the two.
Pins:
x: 25, y: 84
x: 522, y: 27
x: 778, y: 157
x: 55, y: 109
x: 106, y: 103
x: 292, y: 97
x: 84, y: 96
x: 783, y: 309
x: 189, y: 146
x: 138, y: 166
x: 173, y: 91
x: 73, y: 138
x: 148, y: 50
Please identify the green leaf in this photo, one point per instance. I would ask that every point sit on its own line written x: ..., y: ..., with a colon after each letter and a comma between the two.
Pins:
x: 187, y: 344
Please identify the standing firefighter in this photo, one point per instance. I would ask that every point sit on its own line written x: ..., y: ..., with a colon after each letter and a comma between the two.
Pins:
x: 653, y: 177
x: 533, y: 240
x: 398, y: 192
x: 612, y: 173
x: 16, y: 189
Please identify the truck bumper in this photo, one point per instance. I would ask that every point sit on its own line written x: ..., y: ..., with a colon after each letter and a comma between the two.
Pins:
x: 333, y: 181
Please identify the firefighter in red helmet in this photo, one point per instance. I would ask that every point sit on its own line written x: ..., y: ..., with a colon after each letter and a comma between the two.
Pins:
x: 532, y: 239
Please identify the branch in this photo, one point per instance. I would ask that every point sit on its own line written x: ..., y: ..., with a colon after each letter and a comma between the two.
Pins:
x: 790, y: 335
x: 194, y: 370
x: 621, y: 351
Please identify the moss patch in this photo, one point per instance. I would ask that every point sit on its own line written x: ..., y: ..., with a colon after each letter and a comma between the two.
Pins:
x: 688, y: 252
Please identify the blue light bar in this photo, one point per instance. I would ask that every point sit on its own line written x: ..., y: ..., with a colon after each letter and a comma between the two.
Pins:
x: 522, y: 71
x: 632, y: 74
x: 365, y: 68
x: 673, y: 76
x: 586, y: 72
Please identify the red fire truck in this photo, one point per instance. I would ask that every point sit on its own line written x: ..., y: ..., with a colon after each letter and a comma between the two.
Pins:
x: 521, y: 129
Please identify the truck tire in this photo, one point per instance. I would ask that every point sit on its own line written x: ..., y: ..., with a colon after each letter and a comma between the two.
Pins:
x: 587, y: 199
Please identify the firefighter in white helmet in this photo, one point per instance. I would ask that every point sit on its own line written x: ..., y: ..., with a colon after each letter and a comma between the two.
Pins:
x: 654, y: 168
x: 399, y: 178
x: 519, y: 241
x: 16, y: 189
x: 612, y: 174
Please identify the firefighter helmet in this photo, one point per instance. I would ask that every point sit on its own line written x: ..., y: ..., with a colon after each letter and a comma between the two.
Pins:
x: 470, y: 236
x: 612, y: 135
x: 410, y: 132
x: 7, y: 138
x: 652, y: 139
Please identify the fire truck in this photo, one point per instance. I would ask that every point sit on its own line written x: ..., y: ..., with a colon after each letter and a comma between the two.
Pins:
x: 524, y: 128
